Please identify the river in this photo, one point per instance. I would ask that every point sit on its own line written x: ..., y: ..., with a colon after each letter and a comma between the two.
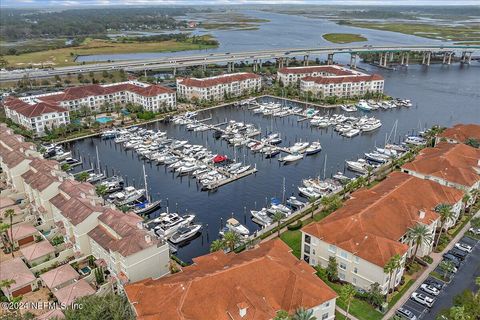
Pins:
x: 443, y: 95
x: 282, y: 31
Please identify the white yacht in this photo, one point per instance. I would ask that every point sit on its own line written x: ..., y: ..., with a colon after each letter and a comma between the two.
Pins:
x: 291, y: 158
x: 261, y: 217
x: 184, y: 233
x: 358, y: 166
x: 235, y: 226
x: 314, y: 148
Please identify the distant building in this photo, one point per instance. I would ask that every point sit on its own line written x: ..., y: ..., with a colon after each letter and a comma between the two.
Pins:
x: 253, y: 284
x: 460, y: 133
x: 325, y: 81
x: 218, y: 87
x: 36, y: 116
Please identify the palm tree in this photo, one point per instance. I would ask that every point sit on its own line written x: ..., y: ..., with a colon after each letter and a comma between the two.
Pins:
x: 446, y: 215
x: 458, y: 313
x: 390, y: 267
x: 217, y: 245
x: 447, y: 267
x: 7, y: 283
x: 281, y: 315
x: 303, y: 314
x: 466, y: 198
x: 9, y: 213
x: 3, y: 229
x: 230, y: 240
x: 347, y: 293
x: 419, y: 234
x: 311, y: 201
x: 278, y: 217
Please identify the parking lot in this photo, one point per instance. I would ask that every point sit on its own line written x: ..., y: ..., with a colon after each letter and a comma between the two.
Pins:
x: 463, y: 279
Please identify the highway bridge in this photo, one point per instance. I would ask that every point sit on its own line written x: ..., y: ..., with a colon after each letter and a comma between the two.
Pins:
x: 281, y: 56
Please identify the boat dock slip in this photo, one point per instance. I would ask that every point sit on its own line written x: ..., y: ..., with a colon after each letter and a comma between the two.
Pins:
x: 232, y: 178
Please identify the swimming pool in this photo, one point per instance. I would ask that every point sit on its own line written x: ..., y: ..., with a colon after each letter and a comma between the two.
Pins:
x: 104, y: 119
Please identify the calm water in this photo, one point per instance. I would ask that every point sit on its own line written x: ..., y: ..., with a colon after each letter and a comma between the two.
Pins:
x: 441, y: 95
x: 282, y: 31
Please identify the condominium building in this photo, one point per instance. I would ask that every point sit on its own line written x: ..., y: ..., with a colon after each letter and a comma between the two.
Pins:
x: 373, y: 226
x: 36, y: 116
x: 218, y: 87
x: 453, y: 165
x: 39, y: 112
x: 60, y: 205
x: 253, y: 284
x: 326, y: 81
x: 460, y: 133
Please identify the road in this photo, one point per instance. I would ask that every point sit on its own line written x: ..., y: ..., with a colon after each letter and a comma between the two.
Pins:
x: 218, y: 58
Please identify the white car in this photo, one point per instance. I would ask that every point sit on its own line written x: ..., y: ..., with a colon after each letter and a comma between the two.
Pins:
x: 475, y: 231
x: 464, y: 247
x: 430, y: 289
x: 422, y: 299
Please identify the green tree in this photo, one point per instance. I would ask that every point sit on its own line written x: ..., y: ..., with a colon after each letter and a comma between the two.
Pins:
x: 231, y: 240
x: 446, y: 216
x: 347, y: 294
x: 465, y: 199
x: 375, y: 296
x: 7, y: 284
x: 281, y: 315
x: 472, y: 142
x: 390, y: 267
x: 277, y: 218
x: 96, y: 307
x: 83, y: 176
x: 332, y: 269
x: 417, y: 235
x: 303, y: 314
x: 101, y: 190
x: 10, y: 213
x: 331, y: 203
x: 216, y: 245
x: 447, y: 267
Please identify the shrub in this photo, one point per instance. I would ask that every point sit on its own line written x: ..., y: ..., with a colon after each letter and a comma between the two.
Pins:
x: 427, y: 259
x: 295, y: 226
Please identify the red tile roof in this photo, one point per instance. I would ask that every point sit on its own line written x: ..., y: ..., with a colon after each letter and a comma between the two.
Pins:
x: 328, y: 80
x: 17, y: 270
x: 37, y: 250
x: 371, y: 223
x: 67, y: 295
x: 11, y: 158
x: 32, y: 110
x: 328, y: 69
x: 59, y: 276
x: 213, y: 81
x: 75, y: 209
x: 39, y: 180
x: 457, y: 163
x: 462, y: 132
x: 265, y: 279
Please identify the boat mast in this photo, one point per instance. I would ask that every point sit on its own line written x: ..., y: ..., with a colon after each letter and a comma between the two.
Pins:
x: 325, y: 167
x: 145, y: 183
x: 98, y: 159
x: 283, y: 191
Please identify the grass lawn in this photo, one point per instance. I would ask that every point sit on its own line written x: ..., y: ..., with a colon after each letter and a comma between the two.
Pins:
x: 444, y: 32
x: 408, y: 283
x: 66, y: 56
x: 343, y: 37
x: 294, y: 240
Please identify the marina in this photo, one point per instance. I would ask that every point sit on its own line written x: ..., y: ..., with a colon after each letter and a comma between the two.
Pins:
x: 254, y: 191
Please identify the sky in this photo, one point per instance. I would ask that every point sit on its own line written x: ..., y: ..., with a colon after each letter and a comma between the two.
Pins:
x: 88, y: 3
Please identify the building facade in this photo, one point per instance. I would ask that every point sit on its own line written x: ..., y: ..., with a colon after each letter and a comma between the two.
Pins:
x: 218, y: 87
x: 373, y: 226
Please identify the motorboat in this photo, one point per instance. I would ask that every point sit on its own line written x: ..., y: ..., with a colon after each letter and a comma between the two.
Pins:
x: 171, y: 223
x: 376, y: 157
x: 129, y: 195
x: 371, y: 126
x: 417, y: 141
x: 363, y: 105
x: 314, y: 148
x: 109, y: 134
x: 295, y: 203
x: 351, y: 133
x: 95, y: 177
x: 271, y: 152
x: 358, y: 166
x: 274, y: 208
x: 187, y: 168
x: 235, y: 226
x: 261, y: 217
x: 241, y: 170
x: 219, y: 158
x: 185, y: 233
x: 348, y: 108
x: 234, y: 167
x: 298, y: 147
x: 341, y: 177
x: 291, y: 158
x: 309, y: 192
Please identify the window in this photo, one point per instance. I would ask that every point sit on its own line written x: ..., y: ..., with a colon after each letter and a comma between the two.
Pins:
x: 307, y: 238
x: 327, y: 304
x: 324, y: 316
x: 307, y: 248
x: 342, y: 266
x: 341, y: 276
x: 354, y: 280
x: 344, y: 255
x: 332, y: 248
x: 355, y: 270
x: 357, y: 260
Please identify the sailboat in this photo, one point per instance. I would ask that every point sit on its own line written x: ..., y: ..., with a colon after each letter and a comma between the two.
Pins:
x: 146, y: 206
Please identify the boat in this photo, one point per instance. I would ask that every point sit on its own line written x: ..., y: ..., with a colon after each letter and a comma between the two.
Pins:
x: 371, y: 126
x: 171, y: 223
x: 261, y: 217
x: 309, y: 192
x: 234, y: 167
x: 95, y: 177
x: 351, y: 133
x: 363, y: 105
x: 295, y: 203
x: 358, y: 166
x: 129, y: 196
x: 185, y: 233
x: 348, y: 108
x: 235, y: 226
x: 187, y: 168
x: 271, y: 152
x: 146, y: 207
x: 291, y: 158
x: 376, y: 157
x: 314, y: 148
x: 417, y: 141
x: 341, y: 177
x: 219, y: 158
x: 298, y: 147
x: 109, y: 134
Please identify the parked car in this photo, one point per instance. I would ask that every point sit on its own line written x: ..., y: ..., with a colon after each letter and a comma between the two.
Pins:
x: 461, y: 255
x: 451, y: 257
x: 437, y: 284
x: 475, y: 231
x: 422, y: 299
x: 430, y: 289
x: 463, y: 246
x: 405, y: 313
x: 456, y: 263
